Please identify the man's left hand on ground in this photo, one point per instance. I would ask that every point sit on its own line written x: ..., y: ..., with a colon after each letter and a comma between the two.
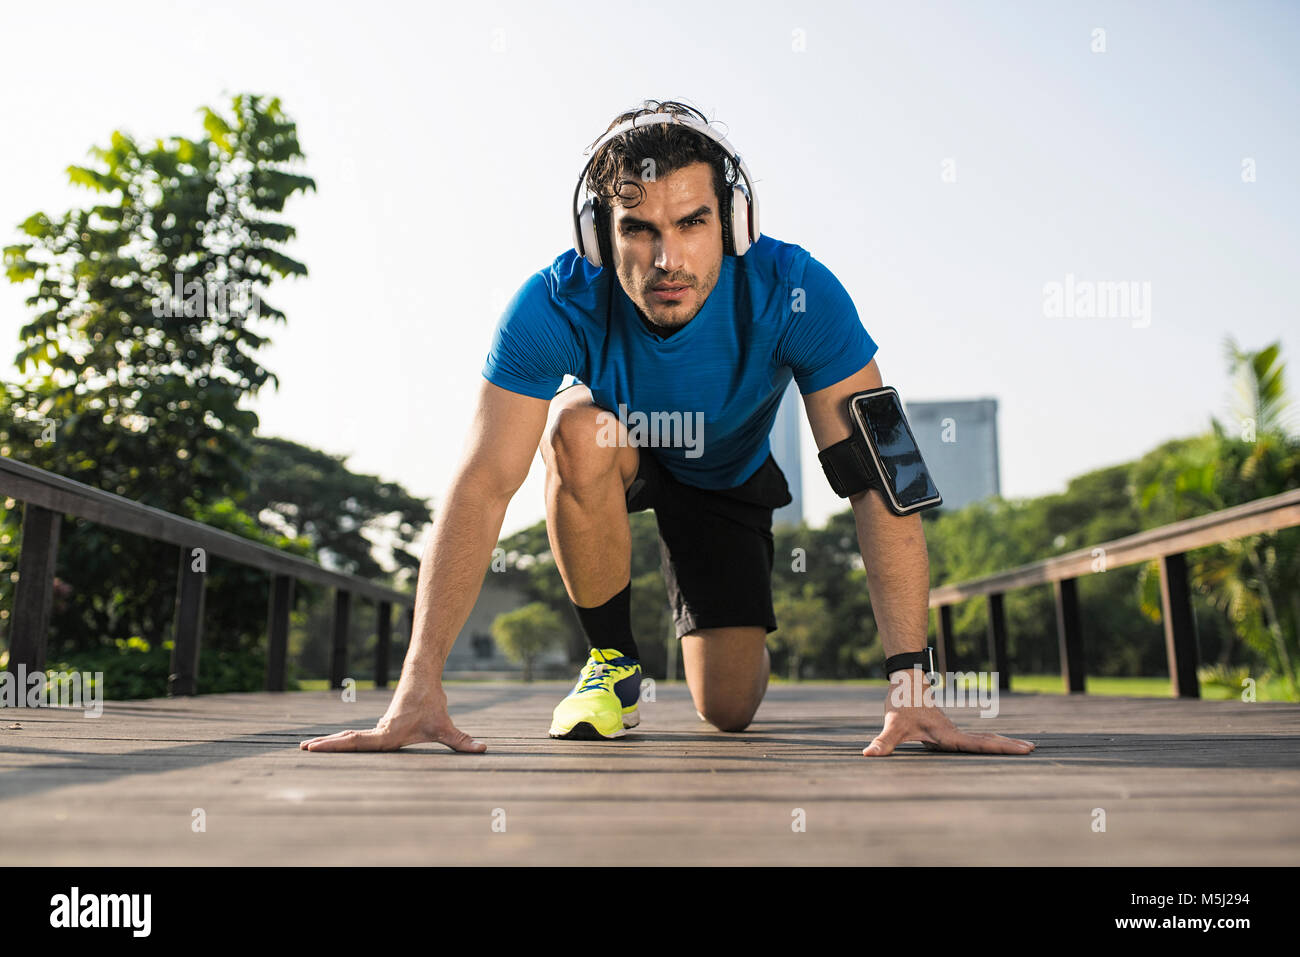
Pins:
x: 916, y: 717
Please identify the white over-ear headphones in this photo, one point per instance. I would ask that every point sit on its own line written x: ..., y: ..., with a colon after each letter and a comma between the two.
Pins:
x: 739, y: 217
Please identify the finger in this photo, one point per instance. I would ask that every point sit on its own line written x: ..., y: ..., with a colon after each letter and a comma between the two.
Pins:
x: 981, y: 742
x: 989, y: 743
x: 311, y: 745
x: 458, y: 740
x: 347, y: 741
x: 885, y: 742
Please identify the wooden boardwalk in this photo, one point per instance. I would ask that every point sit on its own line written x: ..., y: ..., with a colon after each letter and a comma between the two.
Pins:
x: 1180, y: 782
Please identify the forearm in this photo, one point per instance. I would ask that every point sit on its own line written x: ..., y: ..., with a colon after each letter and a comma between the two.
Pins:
x: 898, y: 573
x: 465, y: 532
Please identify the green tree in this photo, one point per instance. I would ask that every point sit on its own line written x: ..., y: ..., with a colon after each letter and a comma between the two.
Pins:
x: 526, y: 632
x: 303, y: 492
x: 149, y: 310
x: 141, y: 386
x: 801, y: 632
x: 1252, y: 453
x: 825, y: 563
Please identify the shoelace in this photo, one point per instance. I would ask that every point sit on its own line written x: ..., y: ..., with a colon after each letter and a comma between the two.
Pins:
x: 593, y: 680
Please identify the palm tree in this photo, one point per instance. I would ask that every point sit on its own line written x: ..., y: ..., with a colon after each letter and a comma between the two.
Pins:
x: 1253, y: 453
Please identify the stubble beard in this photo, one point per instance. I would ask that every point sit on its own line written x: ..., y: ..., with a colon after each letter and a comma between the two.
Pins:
x: 701, y: 293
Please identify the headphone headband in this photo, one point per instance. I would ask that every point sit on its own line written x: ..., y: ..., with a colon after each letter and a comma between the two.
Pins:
x: 585, y: 229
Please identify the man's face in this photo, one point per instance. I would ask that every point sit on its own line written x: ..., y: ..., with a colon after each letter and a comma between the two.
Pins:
x: 668, y: 248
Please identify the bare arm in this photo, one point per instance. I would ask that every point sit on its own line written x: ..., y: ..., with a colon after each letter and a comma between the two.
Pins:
x: 893, y: 547
x: 498, y: 452
x: 898, y: 580
x: 506, y: 431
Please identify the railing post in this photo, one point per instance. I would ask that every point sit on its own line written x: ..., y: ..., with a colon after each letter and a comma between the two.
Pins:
x: 187, y: 631
x: 1069, y: 634
x: 944, y: 648
x: 1180, y: 626
x: 29, y: 625
x: 45, y: 498
x: 998, y: 641
x: 277, y: 632
x: 383, y: 632
x: 339, y: 657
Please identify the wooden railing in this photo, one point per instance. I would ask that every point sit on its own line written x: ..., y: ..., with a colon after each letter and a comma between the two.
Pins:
x: 47, y: 497
x: 1168, y: 543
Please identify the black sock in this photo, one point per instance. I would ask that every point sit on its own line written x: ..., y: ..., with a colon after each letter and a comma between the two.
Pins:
x: 610, y: 625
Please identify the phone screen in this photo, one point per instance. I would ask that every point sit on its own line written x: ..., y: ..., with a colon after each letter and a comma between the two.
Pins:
x: 905, y: 471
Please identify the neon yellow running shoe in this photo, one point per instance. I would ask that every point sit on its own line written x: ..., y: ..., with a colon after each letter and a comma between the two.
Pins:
x: 603, y: 703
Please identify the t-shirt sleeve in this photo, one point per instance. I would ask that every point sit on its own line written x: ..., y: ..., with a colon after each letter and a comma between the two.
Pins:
x: 825, y: 340
x: 534, y: 345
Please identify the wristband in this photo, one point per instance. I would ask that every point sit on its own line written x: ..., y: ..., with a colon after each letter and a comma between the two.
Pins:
x: 910, y: 659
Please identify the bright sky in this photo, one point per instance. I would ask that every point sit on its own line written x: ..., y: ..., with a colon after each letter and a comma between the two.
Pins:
x: 446, y: 139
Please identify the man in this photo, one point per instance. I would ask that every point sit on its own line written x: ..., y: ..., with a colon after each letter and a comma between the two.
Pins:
x: 704, y: 329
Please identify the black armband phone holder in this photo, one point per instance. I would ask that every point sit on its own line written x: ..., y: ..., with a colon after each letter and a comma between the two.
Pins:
x: 880, y: 454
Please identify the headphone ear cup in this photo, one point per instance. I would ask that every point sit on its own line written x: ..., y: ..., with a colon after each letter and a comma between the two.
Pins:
x: 587, y: 238
x: 728, y: 226
x: 739, y: 219
x: 601, y: 220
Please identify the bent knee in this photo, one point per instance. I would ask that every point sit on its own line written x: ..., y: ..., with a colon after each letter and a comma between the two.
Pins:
x: 729, y: 717
x: 580, y: 444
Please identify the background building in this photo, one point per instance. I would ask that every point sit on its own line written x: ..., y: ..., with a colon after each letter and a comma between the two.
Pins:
x: 959, y: 442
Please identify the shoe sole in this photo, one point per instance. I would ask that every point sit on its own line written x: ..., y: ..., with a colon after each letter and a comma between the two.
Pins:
x: 586, y: 731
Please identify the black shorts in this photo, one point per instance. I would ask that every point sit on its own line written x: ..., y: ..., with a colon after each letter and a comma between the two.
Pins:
x: 715, y: 545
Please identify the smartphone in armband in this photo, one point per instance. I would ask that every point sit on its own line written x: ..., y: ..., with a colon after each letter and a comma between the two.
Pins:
x: 882, y: 454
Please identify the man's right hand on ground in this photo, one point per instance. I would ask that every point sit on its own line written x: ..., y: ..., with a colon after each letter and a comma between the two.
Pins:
x: 413, y: 717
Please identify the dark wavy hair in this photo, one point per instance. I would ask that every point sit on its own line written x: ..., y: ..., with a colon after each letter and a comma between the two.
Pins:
x: 616, y: 167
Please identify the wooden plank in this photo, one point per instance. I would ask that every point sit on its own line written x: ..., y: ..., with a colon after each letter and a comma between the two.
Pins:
x: 997, y: 632
x: 277, y: 632
x: 945, y: 654
x: 47, y: 490
x: 1180, y: 627
x: 339, y: 645
x: 383, y: 635
x: 29, y: 625
x: 1069, y: 633
x: 1261, y: 515
x: 187, y: 627
x: 122, y: 789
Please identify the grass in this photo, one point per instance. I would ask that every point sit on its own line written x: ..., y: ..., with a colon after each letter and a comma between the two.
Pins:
x: 1267, y: 688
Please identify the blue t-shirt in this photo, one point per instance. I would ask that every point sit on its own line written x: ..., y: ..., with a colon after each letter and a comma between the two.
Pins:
x: 704, y: 399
